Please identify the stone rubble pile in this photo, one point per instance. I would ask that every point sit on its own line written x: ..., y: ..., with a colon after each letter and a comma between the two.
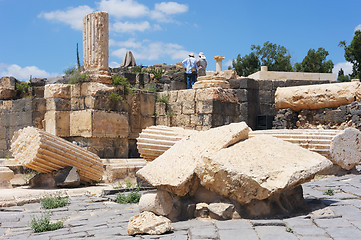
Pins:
x: 223, y: 174
x: 45, y: 153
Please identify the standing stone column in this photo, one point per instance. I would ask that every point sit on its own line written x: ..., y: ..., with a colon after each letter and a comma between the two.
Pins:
x: 219, y: 62
x: 96, y: 46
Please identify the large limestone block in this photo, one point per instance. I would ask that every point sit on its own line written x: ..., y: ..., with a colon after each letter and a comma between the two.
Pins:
x: 148, y: 223
x: 174, y: 170
x: 258, y: 168
x: 345, y: 148
x: 57, y: 123
x: 317, y: 96
x: 6, y: 174
x: 217, y: 94
x: 7, y: 93
x: 159, y: 202
x: 92, y: 89
x: 57, y: 90
x: 90, y: 123
x: 8, y: 82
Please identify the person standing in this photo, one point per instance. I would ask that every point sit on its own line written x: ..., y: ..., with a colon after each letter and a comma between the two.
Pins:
x: 202, y: 64
x: 190, y: 66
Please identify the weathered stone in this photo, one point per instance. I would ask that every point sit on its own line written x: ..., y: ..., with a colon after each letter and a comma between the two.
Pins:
x: 67, y: 177
x: 43, y: 180
x: 90, y: 123
x: 148, y: 223
x: 57, y: 123
x: 258, y: 167
x: 92, y: 89
x: 7, y: 93
x: 7, y: 82
x: 57, y: 91
x: 44, y: 152
x: 96, y: 46
x: 218, y: 94
x: 345, y: 148
x: 174, y: 170
x: 221, y: 211
x: 201, y: 210
x: 6, y: 174
x: 317, y: 96
x: 159, y: 202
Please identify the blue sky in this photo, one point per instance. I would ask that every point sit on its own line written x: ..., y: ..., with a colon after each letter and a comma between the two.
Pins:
x: 39, y: 37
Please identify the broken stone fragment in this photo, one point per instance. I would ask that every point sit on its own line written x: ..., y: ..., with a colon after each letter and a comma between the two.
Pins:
x: 174, y: 170
x: 159, y: 202
x: 148, y: 223
x: 67, y: 177
x: 258, y: 167
x: 221, y: 211
x: 345, y: 148
x: 6, y: 174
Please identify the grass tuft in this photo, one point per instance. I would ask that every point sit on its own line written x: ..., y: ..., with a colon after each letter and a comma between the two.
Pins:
x: 50, y: 202
x: 43, y: 224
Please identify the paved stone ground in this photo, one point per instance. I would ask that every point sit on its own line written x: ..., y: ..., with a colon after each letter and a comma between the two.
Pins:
x: 331, y: 217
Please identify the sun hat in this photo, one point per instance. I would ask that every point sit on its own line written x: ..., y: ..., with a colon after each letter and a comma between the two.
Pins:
x: 191, y: 54
x: 201, y: 55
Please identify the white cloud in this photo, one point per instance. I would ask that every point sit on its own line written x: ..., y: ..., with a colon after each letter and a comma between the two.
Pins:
x: 358, y: 27
x: 154, y: 51
x: 346, y: 67
x: 123, y: 8
x: 24, y: 73
x: 71, y: 16
x: 228, y: 63
x: 130, y: 43
x: 171, y: 8
x: 130, y: 27
x: 114, y: 64
x: 162, y: 11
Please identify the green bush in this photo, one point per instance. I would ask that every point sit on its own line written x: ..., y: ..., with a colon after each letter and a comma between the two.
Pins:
x: 329, y: 192
x: 139, y: 69
x: 70, y: 70
x: 119, y: 80
x: 132, y: 197
x: 50, y: 202
x: 163, y: 99
x: 22, y: 87
x: 158, y: 73
x: 78, y: 77
x: 115, y: 97
x: 43, y: 224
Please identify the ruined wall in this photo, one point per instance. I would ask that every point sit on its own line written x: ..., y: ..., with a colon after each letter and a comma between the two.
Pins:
x: 327, y: 118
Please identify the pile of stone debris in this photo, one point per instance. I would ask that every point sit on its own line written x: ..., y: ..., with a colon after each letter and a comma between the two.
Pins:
x: 223, y: 174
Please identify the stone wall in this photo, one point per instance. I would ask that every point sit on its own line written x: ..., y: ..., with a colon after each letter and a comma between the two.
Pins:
x: 326, y: 118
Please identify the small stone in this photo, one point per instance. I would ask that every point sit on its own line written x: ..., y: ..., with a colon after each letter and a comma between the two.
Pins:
x: 159, y: 202
x: 221, y: 211
x: 148, y: 223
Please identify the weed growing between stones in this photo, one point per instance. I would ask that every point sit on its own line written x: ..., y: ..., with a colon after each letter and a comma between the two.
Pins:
x: 288, y: 229
x: 158, y: 73
x: 329, y: 192
x: 115, y: 97
x: 132, y: 197
x: 43, y: 224
x: 119, y: 80
x: 50, y: 202
x: 29, y: 174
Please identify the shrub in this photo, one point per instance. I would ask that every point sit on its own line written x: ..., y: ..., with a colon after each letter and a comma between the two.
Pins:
x: 132, y: 197
x: 115, y: 97
x: 22, y: 87
x: 50, y: 202
x: 43, y: 224
x: 70, y: 70
x: 139, y: 69
x: 158, y: 73
x: 163, y: 99
x: 329, y: 192
x: 119, y: 80
x: 78, y: 77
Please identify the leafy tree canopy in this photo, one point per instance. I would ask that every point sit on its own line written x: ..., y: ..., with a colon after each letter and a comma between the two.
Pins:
x: 315, y: 61
x: 341, y: 77
x: 274, y: 56
x: 353, y: 54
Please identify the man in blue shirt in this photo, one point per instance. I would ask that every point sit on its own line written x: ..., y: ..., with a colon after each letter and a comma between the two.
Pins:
x: 190, y: 66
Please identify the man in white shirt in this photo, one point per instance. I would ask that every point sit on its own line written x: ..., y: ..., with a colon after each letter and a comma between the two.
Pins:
x: 190, y: 66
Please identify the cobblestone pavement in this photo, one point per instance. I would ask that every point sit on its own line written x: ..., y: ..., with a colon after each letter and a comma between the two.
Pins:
x: 331, y: 217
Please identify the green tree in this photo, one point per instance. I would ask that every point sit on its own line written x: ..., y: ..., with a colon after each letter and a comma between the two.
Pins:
x: 246, y: 65
x: 315, y: 61
x: 353, y: 54
x: 341, y: 77
x: 274, y: 56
